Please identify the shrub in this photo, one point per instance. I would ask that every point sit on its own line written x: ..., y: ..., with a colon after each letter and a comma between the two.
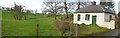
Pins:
x: 51, y: 14
x: 71, y: 16
x: 62, y: 26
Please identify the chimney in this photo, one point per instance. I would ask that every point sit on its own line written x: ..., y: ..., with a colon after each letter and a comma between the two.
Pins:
x: 93, y: 3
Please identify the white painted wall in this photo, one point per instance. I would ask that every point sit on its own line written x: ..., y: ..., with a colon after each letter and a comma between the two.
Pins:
x: 109, y: 23
x: 107, y: 17
x: 100, y: 19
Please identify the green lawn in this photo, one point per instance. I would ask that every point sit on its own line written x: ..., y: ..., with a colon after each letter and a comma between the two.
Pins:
x: 11, y: 27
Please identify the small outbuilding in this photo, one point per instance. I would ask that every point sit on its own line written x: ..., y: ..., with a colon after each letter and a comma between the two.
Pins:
x: 95, y: 14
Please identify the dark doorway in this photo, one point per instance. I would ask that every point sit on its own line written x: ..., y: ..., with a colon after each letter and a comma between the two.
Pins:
x: 94, y: 19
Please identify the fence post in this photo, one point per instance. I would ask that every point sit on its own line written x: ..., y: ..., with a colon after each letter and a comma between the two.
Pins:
x: 76, y: 30
x: 37, y: 30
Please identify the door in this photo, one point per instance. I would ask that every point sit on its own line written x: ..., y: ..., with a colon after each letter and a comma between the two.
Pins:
x: 94, y: 19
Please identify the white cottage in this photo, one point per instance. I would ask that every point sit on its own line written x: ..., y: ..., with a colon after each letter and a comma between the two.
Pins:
x: 95, y: 14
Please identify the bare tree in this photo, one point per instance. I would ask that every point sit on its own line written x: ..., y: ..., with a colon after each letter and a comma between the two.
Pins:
x: 108, y: 5
x: 35, y: 11
x: 24, y: 14
x: 18, y: 14
x: 52, y: 7
x: 66, y: 8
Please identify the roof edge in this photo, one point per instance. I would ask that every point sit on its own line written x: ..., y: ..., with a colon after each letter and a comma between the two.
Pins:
x: 97, y: 12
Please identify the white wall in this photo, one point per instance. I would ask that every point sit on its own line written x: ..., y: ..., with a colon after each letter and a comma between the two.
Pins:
x: 107, y: 17
x: 109, y: 23
x: 100, y: 19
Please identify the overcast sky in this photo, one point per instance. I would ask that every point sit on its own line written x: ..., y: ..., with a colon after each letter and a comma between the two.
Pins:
x: 29, y: 4
x: 35, y: 4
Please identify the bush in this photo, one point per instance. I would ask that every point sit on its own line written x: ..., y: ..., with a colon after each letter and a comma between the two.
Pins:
x: 71, y: 16
x: 62, y: 26
x: 51, y: 14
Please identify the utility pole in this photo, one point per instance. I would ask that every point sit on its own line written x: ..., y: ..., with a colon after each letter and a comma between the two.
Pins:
x: 77, y: 28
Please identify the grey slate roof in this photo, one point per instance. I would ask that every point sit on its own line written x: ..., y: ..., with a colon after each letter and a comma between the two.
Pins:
x: 94, y: 9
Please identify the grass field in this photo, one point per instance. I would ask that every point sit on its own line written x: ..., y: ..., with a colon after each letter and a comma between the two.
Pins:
x: 12, y: 27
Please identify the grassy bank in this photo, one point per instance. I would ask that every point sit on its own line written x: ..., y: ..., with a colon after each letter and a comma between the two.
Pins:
x: 91, y: 30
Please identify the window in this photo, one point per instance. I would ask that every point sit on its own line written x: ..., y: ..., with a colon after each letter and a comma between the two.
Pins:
x: 110, y: 17
x: 78, y: 17
x: 87, y: 17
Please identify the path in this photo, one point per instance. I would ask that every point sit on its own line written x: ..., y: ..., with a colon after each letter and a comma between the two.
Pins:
x: 114, y: 32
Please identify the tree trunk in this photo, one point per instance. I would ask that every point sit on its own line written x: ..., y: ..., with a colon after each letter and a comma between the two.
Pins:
x: 66, y: 9
x: 25, y: 17
x: 55, y: 16
x: 78, y: 6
